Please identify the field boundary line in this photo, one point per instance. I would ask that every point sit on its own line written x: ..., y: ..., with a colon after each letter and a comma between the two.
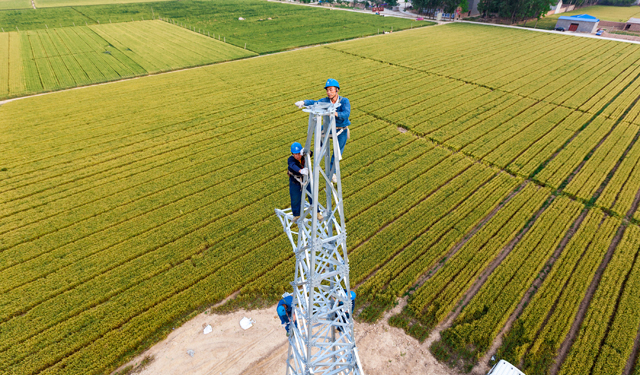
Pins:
x: 9, y: 100
x: 399, y: 65
x: 579, y: 35
x: 5, y: 101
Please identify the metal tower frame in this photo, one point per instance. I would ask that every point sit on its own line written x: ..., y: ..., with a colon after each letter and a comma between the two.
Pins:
x: 322, y: 339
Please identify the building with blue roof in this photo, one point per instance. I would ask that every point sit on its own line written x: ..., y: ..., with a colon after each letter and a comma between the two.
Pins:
x: 581, y: 23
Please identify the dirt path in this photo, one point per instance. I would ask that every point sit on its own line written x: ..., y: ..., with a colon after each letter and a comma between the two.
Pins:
x: 262, y: 349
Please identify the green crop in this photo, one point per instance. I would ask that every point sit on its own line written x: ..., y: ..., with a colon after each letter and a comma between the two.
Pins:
x: 59, y: 58
x: 482, y: 190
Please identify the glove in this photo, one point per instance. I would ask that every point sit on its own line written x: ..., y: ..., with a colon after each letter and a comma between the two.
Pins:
x: 304, y: 171
x: 300, y: 104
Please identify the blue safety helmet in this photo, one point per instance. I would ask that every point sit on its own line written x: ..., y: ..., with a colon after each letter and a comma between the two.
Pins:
x: 353, y: 295
x: 332, y: 82
x: 296, y: 147
x: 282, y: 311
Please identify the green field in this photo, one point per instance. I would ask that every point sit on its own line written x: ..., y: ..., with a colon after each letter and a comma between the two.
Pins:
x: 603, y: 12
x: 127, y: 208
x: 72, y: 3
x: 268, y: 27
x: 53, y: 59
x: 15, y: 4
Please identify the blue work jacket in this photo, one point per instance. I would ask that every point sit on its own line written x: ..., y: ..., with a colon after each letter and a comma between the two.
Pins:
x: 294, y: 168
x: 286, y: 302
x: 344, y: 111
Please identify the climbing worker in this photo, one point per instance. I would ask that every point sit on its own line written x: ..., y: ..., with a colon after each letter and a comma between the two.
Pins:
x: 285, y: 310
x: 342, y: 114
x: 296, y: 170
x: 352, y: 296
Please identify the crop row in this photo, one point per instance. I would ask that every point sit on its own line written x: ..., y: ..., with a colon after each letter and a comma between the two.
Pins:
x: 485, y: 315
x: 432, y: 244
x: 470, y: 119
x: 182, y: 201
x: 73, y: 56
x: 442, y: 39
x: 356, y: 201
x: 201, y: 152
x: 569, y: 158
x: 220, y: 235
x: 395, y: 236
x: 588, y: 75
x: 492, y: 139
x: 623, y: 330
x: 625, y: 102
x: 436, y: 298
x: 222, y: 113
x: 612, y: 316
x: 541, y: 328
x: 163, y: 204
x: 543, y: 148
x: 594, y: 172
x: 624, y: 185
x: 612, y: 90
x: 579, y: 74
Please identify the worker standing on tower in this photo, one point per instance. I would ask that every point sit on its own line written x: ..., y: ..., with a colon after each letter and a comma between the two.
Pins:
x: 342, y: 115
x: 296, y: 170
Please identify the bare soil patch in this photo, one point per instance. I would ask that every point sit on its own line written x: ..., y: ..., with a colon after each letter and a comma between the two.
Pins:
x: 262, y: 349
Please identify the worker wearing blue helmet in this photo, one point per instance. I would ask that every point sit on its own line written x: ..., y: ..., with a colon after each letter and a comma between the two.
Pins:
x: 342, y: 114
x: 296, y: 170
x: 285, y: 310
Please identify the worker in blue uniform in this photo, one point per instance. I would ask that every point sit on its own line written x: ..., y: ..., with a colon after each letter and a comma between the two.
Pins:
x: 342, y: 114
x: 352, y: 296
x: 296, y: 170
x: 284, y: 311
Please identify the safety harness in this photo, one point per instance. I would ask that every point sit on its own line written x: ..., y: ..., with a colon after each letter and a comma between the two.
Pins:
x: 296, y: 177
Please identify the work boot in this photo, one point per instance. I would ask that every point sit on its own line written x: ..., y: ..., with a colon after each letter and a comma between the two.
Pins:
x: 319, y: 216
x: 295, y: 218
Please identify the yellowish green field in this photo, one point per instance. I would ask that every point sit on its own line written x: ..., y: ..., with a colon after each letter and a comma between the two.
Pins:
x: 69, y: 3
x: 57, y: 58
x: 15, y: 4
x: 127, y: 208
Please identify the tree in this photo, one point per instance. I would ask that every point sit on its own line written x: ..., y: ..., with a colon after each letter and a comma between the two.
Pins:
x: 515, y: 10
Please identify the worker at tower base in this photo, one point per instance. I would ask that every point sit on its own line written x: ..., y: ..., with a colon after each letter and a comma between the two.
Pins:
x: 352, y: 296
x: 285, y: 311
x: 342, y: 114
x: 296, y: 170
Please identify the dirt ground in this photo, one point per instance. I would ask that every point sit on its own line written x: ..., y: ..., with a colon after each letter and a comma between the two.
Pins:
x: 262, y: 349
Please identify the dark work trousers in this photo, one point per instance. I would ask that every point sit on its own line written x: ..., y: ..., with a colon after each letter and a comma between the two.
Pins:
x: 295, y: 192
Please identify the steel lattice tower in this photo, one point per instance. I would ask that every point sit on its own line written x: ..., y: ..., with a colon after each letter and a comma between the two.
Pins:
x: 322, y: 339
